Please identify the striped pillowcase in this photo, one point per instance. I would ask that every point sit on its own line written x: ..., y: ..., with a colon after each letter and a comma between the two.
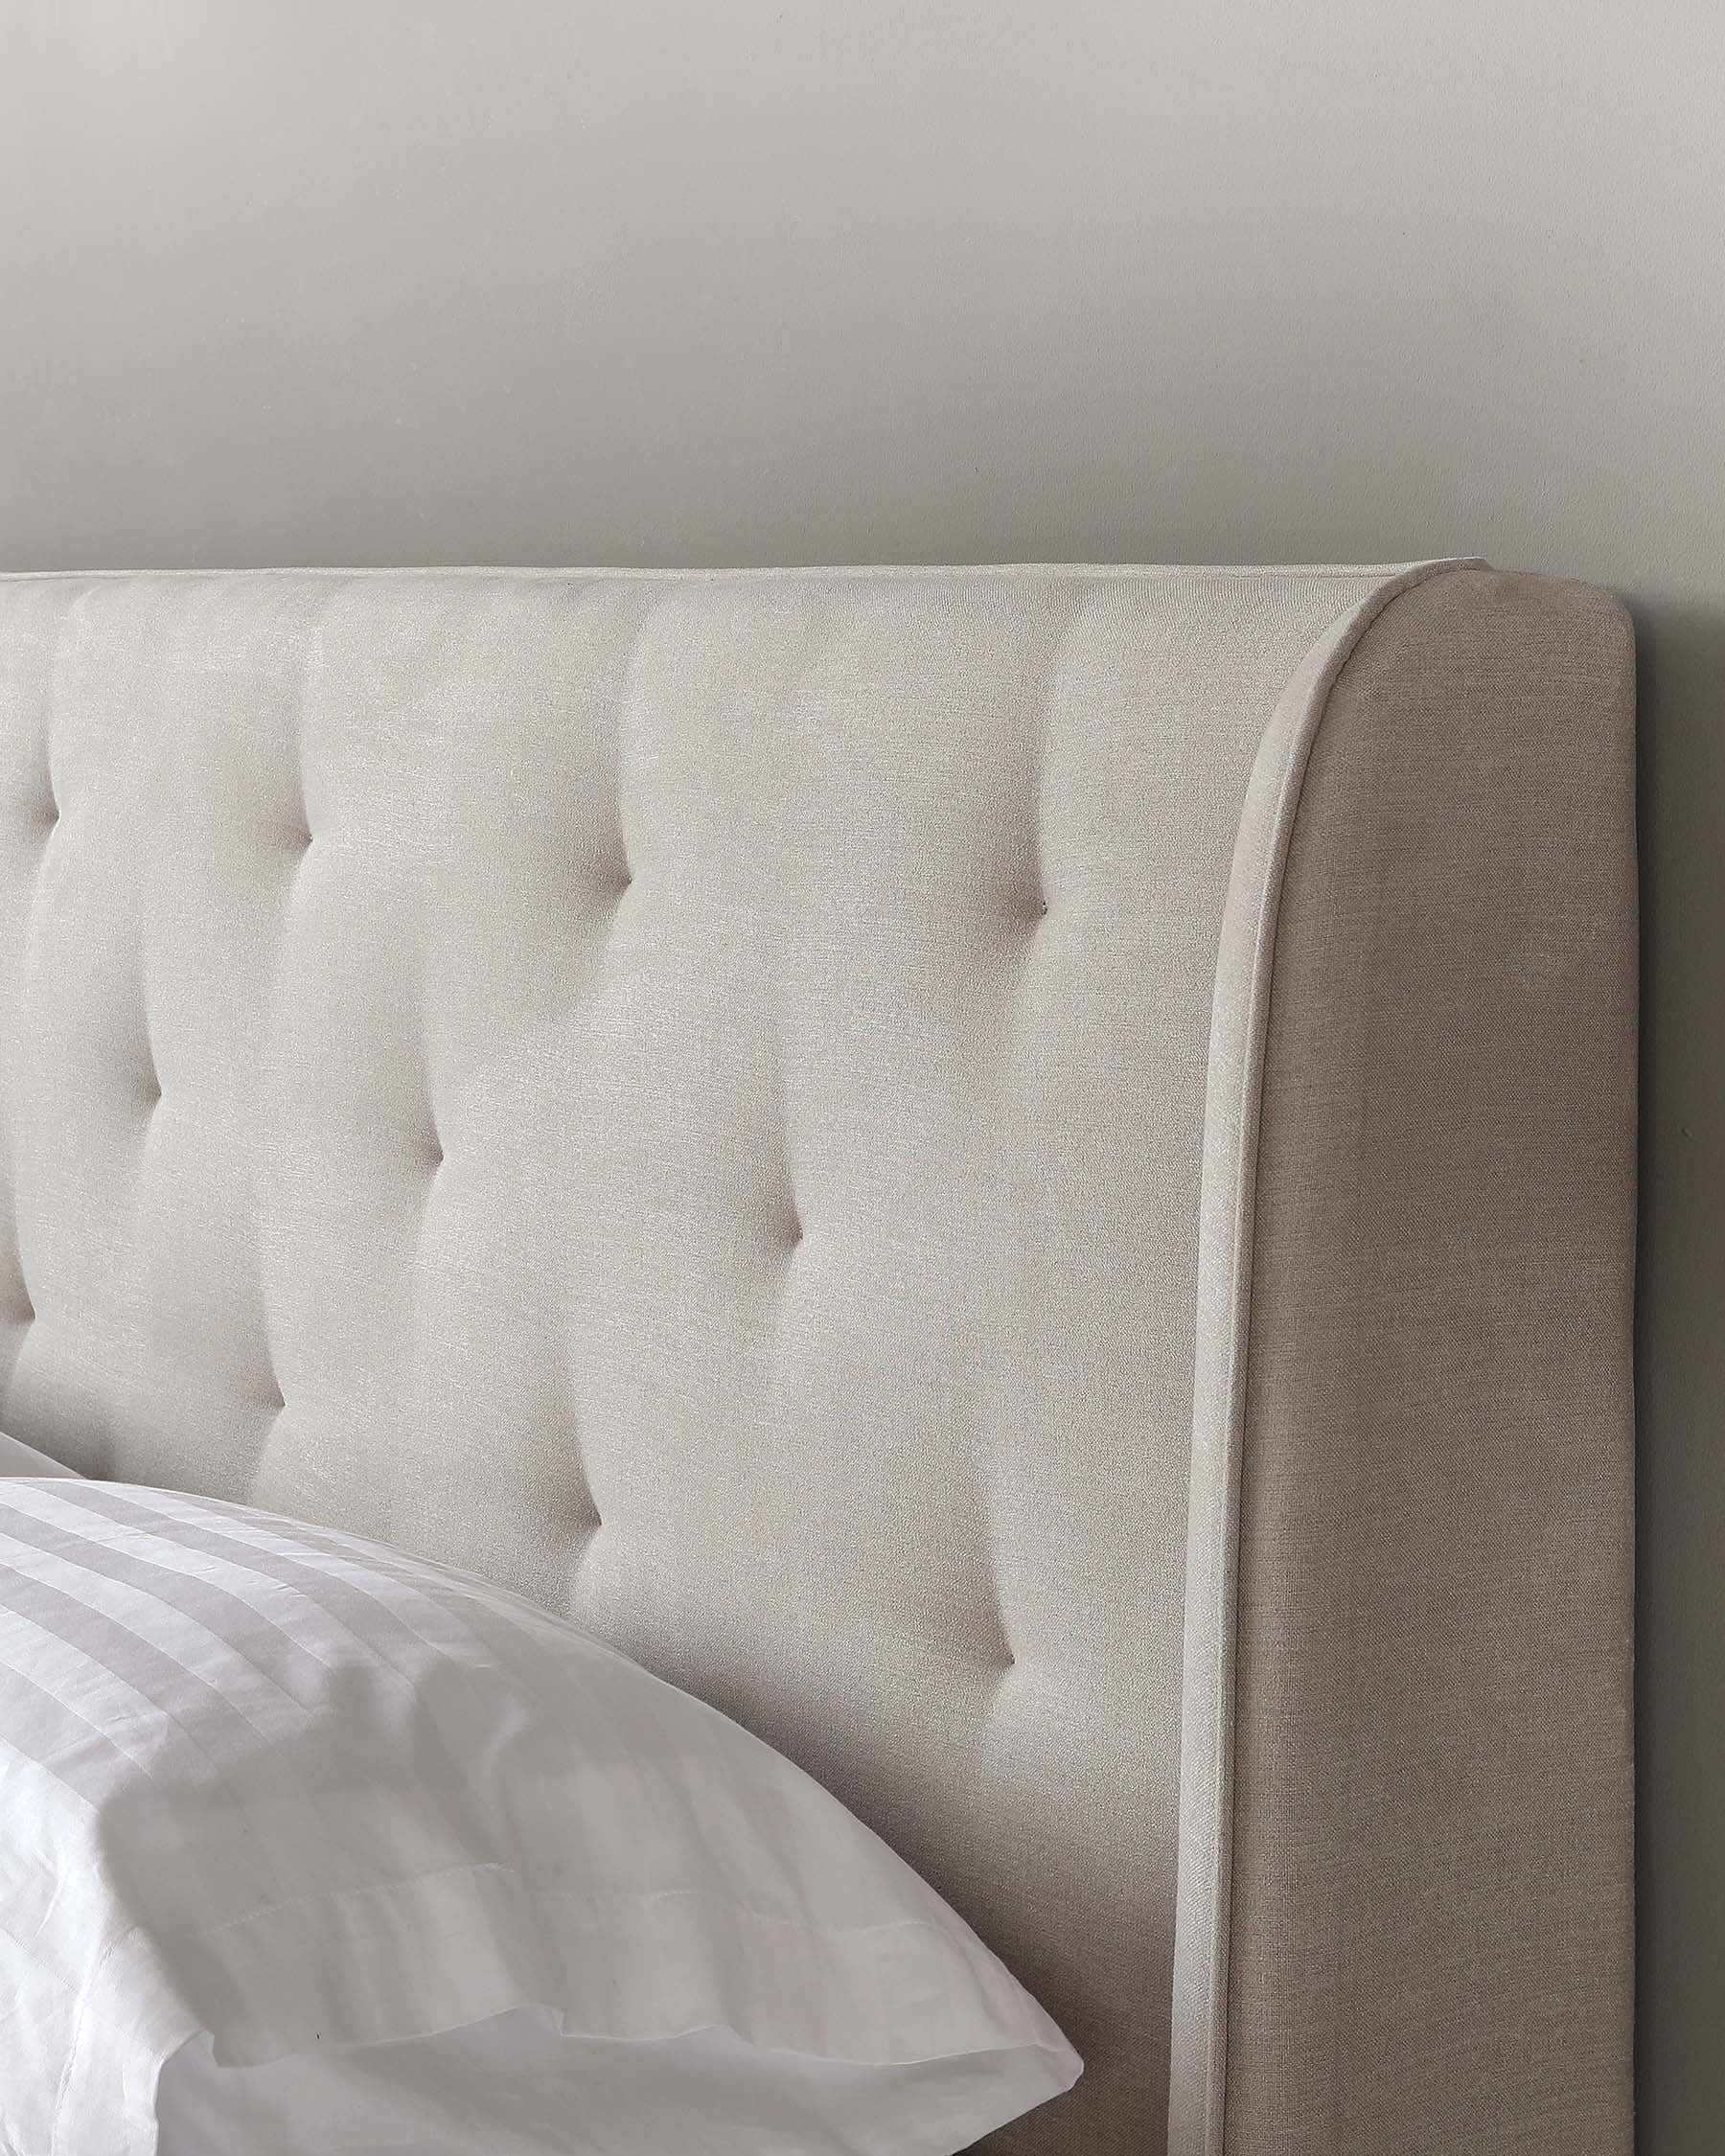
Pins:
x: 324, y: 1831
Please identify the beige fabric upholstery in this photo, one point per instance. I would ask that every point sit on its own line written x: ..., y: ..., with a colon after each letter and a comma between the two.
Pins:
x: 1406, y: 1859
x: 692, y: 1095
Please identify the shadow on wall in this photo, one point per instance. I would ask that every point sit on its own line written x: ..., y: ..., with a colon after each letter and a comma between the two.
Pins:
x: 1680, y: 1316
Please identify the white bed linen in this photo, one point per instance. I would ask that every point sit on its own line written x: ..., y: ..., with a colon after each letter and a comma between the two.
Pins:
x: 270, y: 1795
x: 516, y: 2086
x: 18, y: 1458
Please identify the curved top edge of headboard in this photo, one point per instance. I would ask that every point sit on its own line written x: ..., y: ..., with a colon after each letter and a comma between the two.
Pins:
x: 742, y: 572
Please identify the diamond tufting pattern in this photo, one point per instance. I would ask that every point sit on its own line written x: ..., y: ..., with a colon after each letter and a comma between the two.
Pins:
x: 684, y: 1094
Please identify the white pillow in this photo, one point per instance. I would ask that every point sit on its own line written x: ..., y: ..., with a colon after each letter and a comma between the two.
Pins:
x: 17, y: 1459
x: 382, y: 1857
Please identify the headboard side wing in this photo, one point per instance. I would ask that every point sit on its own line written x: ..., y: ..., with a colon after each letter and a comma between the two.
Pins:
x: 1405, y: 1902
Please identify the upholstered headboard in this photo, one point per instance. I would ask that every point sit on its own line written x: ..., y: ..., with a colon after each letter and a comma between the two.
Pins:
x: 1023, y: 1177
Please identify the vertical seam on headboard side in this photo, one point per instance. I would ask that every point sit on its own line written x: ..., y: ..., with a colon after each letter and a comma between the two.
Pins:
x: 1239, y: 1029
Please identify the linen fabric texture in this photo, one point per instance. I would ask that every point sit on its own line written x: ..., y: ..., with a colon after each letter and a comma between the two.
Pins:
x: 283, y: 1797
x: 1022, y: 1177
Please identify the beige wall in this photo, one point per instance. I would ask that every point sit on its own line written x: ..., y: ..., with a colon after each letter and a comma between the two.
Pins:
x: 695, y: 280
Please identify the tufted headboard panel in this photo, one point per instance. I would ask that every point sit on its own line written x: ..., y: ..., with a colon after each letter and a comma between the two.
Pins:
x: 1021, y: 1177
